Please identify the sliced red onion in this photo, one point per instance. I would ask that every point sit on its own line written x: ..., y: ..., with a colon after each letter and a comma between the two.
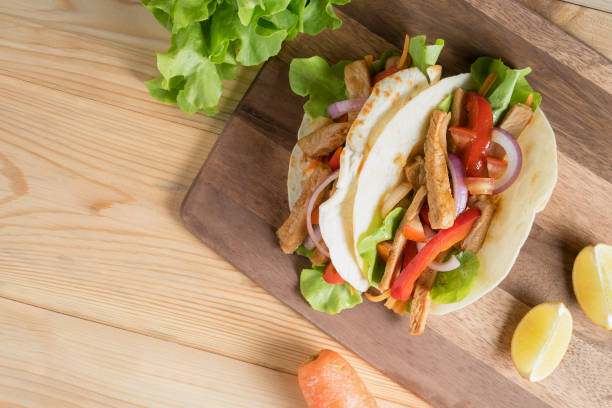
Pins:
x: 429, y: 234
x: 460, y: 191
x: 311, y: 201
x: 452, y: 263
x: 335, y: 110
x: 515, y: 159
x: 308, y: 243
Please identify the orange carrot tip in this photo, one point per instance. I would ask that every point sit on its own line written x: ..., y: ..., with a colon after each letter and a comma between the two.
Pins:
x: 328, y: 380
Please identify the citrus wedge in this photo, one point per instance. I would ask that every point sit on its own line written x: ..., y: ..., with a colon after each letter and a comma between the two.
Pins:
x: 592, y: 279
x: 540, y: 340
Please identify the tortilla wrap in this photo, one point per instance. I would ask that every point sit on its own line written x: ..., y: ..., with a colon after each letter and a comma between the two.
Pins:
x: 403, y: 137
x: 335, y: 215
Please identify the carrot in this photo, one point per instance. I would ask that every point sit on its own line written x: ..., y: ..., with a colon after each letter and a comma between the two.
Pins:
x: 327, y: 380
x: 486, y: 85
x: 313, y: 164
x: 404, y: 60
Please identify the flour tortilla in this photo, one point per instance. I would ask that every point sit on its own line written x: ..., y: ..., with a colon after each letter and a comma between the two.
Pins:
x: 335, y: 215
x: 516, y: 207
x: 516, y: 210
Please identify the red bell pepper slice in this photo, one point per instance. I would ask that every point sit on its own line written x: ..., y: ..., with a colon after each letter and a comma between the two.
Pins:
x: 334, y: 162
x: 481, y: 121
x: 331, y: 275
x: 383, y: 74
x: 443, y: 240
x: 410, y: 252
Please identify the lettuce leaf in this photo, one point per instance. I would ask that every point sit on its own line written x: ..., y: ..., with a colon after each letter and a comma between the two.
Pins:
x: 379, y: 64
x: 453, y: 286
x: 446, y: 103
x: 510, y: 86
x: 211, y: 37
x: 305, y: 252
x: 315, y: 78
x: 319, y: 14
x: 423, y: 56
x: 323, y: 296
x: 366, y: 247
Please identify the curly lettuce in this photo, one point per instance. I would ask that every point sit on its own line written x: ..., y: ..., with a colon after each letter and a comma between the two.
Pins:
x: 453, y: 286
x: 325, y: 297
x: 323, y: 84
x: 510, y: 86
x: 211, y: 37
x: 423, y: 56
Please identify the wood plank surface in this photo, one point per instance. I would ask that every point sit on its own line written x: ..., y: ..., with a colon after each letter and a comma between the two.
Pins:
x: 69, y: 362
x: 92, y: 173
x: 603, y: 5
x: 240, y: 186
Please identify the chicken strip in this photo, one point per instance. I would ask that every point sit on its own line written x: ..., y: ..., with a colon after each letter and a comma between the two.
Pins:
x: 439, y: 197
x: 419, y: 308
x: 392, y: 62
x: 417, y: 202
x: 293, y: 231
x: 477, y: 235
x: 357, y: 79
x: 415, y: 172
x: 318, y: 258
x: 325, y: 139
x: 458, y: 112
x: 515, y: 120
x: 395, y: 255
x: 352, y: 115
x: 399, y: 240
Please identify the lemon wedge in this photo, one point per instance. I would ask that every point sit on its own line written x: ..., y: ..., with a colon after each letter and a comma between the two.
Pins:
x: 592, y: 279
x: 540, y: 340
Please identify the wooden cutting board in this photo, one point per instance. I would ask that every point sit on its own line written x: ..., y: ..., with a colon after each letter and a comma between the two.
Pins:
x: 239, y: 199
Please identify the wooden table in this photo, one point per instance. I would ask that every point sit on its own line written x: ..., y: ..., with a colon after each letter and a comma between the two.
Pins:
x: 106, y: 300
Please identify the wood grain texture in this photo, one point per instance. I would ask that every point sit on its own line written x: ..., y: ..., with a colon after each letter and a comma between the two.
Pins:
x: 52, y: 360
x: 92, y: 172
x: 596, y: 4
x: 227, y: 203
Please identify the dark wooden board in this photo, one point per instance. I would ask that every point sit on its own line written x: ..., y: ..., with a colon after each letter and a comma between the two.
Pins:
x: 463, y: 358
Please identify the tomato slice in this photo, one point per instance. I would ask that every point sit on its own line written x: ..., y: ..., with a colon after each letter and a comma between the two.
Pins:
x: 334, y: 162
x: 461, y: 137
x: 331, y: 275
x: 481, y: 121
x: 443, y: 240
x: 383, y: 74
x: 480, y: 185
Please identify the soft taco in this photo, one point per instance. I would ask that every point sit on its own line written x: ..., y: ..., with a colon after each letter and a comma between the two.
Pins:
x: 436, y: 195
